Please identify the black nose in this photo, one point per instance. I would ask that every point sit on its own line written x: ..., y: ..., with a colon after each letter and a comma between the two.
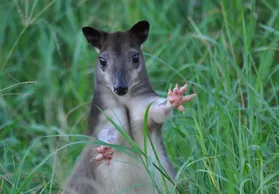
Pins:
x: 121, y: 90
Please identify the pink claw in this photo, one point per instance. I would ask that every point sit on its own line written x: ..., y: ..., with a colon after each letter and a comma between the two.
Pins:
x: 175, y: 90
x: 105, y: 153
x: 110, y: 151
x: 100, y: 149
x: 183, y: 89
x: 181, y: 108
x: 99, y: 157
x: 177, y: 98
x: 188, y: 98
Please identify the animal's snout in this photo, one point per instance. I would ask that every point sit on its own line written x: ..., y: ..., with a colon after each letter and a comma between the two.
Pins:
x: 120, y: 86
x: 120, y: 90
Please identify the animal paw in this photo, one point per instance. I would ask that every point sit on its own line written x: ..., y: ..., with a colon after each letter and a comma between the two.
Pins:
x: 105, y: 153
x: 177, y: 98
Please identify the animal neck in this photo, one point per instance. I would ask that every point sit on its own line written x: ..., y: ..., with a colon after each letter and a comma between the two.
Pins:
x: 143, y: 85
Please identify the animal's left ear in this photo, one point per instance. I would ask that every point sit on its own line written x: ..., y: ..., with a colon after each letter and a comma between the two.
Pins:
x: 140, y: 31
x: 94, y: 36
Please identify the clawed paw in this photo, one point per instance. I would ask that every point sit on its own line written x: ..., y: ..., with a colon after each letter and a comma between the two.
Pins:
x: 105, y: 153
x: 177, y: 98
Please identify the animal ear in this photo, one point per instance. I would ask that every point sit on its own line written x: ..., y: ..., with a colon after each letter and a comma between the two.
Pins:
x: 94, y: 37
x: 140, y: 31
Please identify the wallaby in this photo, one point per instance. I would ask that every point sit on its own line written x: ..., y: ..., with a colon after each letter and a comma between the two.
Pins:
x: 122, y: 91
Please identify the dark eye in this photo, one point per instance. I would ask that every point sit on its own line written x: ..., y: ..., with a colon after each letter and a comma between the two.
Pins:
x: 135, y: 58
x: 103, y: 61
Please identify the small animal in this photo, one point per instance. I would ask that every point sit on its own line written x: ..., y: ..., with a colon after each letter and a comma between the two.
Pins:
x: 122, y: 92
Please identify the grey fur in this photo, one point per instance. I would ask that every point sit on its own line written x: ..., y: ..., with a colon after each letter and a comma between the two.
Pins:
x: 117, y: 48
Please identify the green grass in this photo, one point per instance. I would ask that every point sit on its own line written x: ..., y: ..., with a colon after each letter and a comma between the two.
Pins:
x: 226, y: 142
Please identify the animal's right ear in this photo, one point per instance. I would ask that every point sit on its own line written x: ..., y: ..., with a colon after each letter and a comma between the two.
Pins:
x: 140, y: 31
x: 94, y: 37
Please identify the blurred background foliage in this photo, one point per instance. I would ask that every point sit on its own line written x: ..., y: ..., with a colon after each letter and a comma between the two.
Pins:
x: 227, y: 140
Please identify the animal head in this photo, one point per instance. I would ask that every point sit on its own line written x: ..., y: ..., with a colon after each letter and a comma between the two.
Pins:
x: 121, y: 63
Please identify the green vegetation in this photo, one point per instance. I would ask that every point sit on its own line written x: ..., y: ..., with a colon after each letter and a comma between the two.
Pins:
x: 226, y: 142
